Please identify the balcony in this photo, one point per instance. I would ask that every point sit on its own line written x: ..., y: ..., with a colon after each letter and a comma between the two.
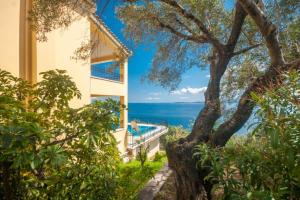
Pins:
x: 108, y: 71
x: 145, y: 134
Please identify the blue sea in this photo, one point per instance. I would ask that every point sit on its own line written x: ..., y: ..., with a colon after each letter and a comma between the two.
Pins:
x: 174, y: 114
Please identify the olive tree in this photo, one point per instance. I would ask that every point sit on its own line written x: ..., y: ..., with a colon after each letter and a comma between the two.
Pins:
x: 247, y: 46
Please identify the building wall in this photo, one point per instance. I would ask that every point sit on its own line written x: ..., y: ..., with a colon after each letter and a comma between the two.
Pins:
x: 153, y: 148
x: 58, y: 51
x: 103, y: 87
x: 9, y: 35
x: 121, y: 136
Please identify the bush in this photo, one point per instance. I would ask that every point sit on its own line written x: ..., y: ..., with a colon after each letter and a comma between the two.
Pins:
x: 142, y: 154
x: 174, y: 133
x: 266, y: 164
x: 133, y: 177
x: 159, y: 156
x: 49, y: 150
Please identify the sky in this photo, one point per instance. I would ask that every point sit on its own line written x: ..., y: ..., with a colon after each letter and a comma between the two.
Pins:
x: 193, y: 83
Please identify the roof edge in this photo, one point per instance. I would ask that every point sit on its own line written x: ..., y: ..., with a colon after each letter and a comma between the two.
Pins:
x: 101, y: 24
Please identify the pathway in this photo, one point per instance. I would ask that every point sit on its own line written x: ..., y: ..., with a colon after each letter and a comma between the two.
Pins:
x: 155, y: 184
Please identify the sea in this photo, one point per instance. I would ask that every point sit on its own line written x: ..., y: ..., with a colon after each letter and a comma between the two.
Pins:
x: 171, y: 114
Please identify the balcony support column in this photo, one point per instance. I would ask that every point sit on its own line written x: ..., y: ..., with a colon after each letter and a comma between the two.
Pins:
x: 28, y: 48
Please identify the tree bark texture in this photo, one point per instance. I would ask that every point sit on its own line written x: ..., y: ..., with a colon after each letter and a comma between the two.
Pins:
x: 190, y: 182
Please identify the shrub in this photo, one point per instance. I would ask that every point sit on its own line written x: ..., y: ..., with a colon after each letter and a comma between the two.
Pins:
x: 266, y: 164
x: 49, y: 150
x: 142, y: 154
x: 174, y: 133
x: 132, y: 178
x: 159, y: 156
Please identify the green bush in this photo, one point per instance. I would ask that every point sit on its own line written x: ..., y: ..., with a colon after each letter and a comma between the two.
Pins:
x: 159, y: 156
x: 133, y: 177
x: 174, y: 133
x: 142, y: 154
x: 265, y: 164
x: 49, y: 150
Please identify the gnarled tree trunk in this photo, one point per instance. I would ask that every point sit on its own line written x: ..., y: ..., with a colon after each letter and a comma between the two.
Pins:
x: 190, y: 182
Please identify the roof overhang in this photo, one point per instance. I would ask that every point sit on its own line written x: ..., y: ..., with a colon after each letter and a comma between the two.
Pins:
x: 103, y: 29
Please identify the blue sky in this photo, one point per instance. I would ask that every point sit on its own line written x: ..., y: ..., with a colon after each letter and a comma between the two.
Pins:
x: 193, y: 83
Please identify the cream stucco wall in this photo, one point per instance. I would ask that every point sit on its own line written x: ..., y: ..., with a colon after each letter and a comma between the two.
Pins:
x: 104, y: 87
x: 153, y: 148
x: 58, y: 51
x: 9, y: 35
x: 121, y: 136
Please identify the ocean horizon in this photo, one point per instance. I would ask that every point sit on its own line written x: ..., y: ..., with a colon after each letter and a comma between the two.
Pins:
x: 167, y: 113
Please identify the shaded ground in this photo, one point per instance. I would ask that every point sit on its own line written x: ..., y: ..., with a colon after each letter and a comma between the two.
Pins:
x: 155, y: 184
x: 168, y: 190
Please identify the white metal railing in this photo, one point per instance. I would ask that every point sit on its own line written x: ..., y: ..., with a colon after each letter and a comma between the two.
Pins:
x: 135, y: 141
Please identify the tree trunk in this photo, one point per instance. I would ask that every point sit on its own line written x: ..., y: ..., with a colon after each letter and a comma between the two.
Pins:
x: 7, y: 180
x: 190, y: 181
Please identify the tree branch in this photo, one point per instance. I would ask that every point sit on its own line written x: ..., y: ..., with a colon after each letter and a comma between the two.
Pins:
x: 198, y: 39
x: 214, y: 41
x: 267, y: 29
x: 239, y: 19
x: 273, y: 77
x: 246, y: 49
x: 63, y: 140
x: 185, y: 26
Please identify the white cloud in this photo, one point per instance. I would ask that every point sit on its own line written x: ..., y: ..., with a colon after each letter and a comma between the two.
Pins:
x: 207, y: 76
x: 183, y: 97
x: 189, y: 90
x: 155, y: 93
x: 152, y: 98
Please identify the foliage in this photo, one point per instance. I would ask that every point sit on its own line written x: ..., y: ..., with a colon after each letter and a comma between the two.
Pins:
x: 159, y: 156
x: 177, y: 36
x: 264, y: 165
x: 174, y: 133
x: 48, y: 15
x: 133, y: 177
x: 50, y: 150
x: 142, y: 154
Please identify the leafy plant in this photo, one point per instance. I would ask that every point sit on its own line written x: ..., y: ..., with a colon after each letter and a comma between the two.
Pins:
x: 159, y: 156
x: 174, y: 133
x: 265, y: 164
x: 142, y: 154
x: 49, y: 150
x: 132, y: 177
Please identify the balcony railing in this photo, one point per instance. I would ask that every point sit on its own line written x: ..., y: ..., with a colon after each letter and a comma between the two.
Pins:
x: 135, y: 141
x: 106, y: 71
